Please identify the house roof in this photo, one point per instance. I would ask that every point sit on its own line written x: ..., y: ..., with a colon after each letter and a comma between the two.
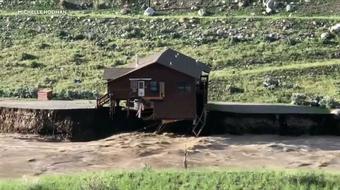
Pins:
x: 114, y: 73
x: 169, y: 58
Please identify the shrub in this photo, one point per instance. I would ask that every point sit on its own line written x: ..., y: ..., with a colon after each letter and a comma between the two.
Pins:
x: 26, y: 56
x: 328, y: 102
x: 35, y: 64
x: 24, y: 92
x: 76, y: 94
x: 299, y: 99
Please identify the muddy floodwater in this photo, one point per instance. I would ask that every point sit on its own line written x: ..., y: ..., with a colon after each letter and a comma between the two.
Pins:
x: 28, y: 155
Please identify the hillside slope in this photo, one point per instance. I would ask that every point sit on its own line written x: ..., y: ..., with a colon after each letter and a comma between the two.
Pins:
x: 68, y: 52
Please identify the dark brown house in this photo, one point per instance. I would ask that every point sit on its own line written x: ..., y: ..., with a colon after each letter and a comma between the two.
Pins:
x: 170, y: 85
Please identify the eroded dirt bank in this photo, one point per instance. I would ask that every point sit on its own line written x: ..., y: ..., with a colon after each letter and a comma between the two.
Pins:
x: 77, y: 124
x: 27, y: 155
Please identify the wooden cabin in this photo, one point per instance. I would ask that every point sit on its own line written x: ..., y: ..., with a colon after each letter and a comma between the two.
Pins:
x: 169, y: 84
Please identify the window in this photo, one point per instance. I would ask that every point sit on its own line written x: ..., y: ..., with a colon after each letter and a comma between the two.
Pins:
x: 183, y: 87
x: 133, y: 85
x: 154, y: 86
x: 141, y: 85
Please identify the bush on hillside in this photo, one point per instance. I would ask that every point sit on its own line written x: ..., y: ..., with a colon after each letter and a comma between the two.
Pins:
x: 21, y: 92
x: 76, y: 94
x: 319, y: 101
x: 27, y: 56
x: 299, y: 99
x: 328, y: 102
x: 35, y: 64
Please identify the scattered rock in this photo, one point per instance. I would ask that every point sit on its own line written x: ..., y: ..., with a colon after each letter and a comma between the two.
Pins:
x: 271, y: 83
x: 290, y: 8
x: 326, y: 37
x: 242, y: 3
x: 271, y: 37
x: 194, y: 8
x: 125, y: 11
x: 335, y: 29
x: 149, y: 12
x: 202, y: 12
x: 270, y: 5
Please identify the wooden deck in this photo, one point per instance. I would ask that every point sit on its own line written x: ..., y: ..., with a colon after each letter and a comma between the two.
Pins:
x: 261, y: 108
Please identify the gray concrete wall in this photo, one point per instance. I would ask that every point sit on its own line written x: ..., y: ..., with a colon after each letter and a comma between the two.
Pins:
x: 282, y: 124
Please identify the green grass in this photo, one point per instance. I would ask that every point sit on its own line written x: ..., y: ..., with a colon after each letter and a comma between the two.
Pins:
x: 192, y: 179
x: 184, y: 180
x: 139, y: 15
x: 298, y: 58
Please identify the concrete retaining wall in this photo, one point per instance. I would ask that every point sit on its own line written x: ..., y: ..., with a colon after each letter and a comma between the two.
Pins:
x: 287, y: 124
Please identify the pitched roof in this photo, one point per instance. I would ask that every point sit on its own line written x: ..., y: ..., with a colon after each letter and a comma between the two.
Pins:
x: 169, y: 58
x: 114, y: 73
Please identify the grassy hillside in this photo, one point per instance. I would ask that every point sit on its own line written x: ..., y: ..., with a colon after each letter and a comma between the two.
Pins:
x: 69, y: 52
x: 149, y: 180
x: 214, y: 7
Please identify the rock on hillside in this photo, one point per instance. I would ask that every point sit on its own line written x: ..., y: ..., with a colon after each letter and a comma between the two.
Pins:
x: 227, y: 6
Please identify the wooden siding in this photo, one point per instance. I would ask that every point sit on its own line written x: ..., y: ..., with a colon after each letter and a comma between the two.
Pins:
x: 176, y: 104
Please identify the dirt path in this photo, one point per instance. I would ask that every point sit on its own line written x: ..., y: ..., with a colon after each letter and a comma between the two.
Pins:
x: 29, y: 156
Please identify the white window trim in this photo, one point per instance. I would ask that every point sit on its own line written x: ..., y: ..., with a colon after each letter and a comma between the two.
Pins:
x: 140, y: 78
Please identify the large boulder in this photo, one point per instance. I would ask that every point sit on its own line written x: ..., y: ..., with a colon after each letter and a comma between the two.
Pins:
x: 290, y: 7
x: 270, y: 5
x: 271, y: 83
x: 331, y: 34
x: 202, y: 12
x: 335, y: 29
x: 149, y: 12
x: 325, y: 36
x: 242, y: 3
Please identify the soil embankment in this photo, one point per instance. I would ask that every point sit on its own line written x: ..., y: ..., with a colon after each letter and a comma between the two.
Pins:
x: 82, y: 124
x: 69, y: 124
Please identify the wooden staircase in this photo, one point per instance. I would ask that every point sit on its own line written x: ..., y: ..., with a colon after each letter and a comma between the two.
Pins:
x: 101, y: 101
x: 200, y: 123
